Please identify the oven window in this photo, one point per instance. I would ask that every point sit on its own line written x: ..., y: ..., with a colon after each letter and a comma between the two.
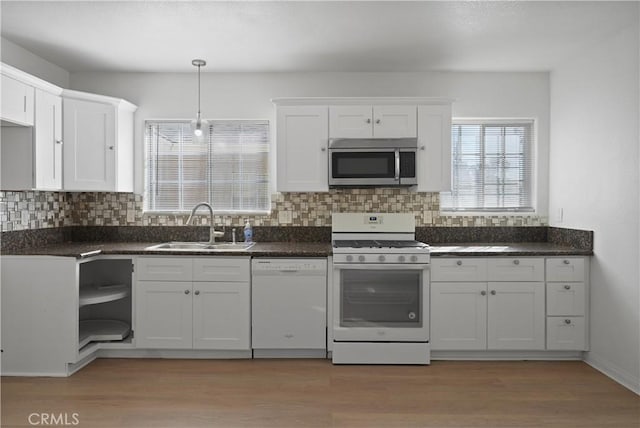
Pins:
x: 363, y: 164
x: 378, y: 298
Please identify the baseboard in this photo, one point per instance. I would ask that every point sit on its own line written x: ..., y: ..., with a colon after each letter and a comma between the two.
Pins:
x: 172, y: 353
x: 508, y: 355
x: 289, y: 353
x: 614, y: 372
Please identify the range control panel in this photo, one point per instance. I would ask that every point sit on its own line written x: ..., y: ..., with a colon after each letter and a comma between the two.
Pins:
x: 289, y: 265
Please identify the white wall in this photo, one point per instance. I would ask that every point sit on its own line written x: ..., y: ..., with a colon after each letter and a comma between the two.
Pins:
x: 248, y: 95
x: 28, y: 62
x: 594, y: 164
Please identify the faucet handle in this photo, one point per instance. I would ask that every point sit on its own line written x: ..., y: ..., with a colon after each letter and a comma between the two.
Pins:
x: 233, y: 235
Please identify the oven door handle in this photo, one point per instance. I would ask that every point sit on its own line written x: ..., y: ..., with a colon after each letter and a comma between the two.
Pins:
x: 381, y: 266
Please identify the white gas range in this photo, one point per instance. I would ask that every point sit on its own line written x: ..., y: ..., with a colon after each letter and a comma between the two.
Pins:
x: 380, y: 290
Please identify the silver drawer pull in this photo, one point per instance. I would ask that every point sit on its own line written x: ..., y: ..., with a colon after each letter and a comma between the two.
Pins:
x: 459, y: 262
x: 567, y: 321
x: 566, y: 262
x: 187, y: 291
x: 516, y: 262
x: 567, y: 287
x: 483, y: 293
x: 493, y: 292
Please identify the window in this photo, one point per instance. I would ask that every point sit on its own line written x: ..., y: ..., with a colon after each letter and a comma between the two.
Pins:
x: 492, y: 167
x: 230, y: 170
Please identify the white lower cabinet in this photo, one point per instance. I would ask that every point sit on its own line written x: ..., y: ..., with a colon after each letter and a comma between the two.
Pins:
x: 567, y: 303
x: 495, y: 309
x: 182, y: 314
x: 458, y: 315
x: 515, y: 315
x: 480, y: 315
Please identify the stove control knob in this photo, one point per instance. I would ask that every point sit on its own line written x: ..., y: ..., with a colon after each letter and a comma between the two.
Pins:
x: 414, y: 258
x: 382, y: 258
x: 349, y: 258
x: 401, y: 259
x: 360, y: 258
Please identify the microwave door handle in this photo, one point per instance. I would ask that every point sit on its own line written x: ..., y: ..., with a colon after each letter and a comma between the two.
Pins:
x: 397, y: 165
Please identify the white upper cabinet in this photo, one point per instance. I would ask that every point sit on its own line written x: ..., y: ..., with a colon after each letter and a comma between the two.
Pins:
x: 366, y: 121
x: 17, y: 101
x: 48, y: 141
x: 98, y: 136
x: 31, y: 155
x: 434, y: 148
x: 302, y: 140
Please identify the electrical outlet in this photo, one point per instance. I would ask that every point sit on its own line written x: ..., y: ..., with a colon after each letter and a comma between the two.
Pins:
x: 284, y: 217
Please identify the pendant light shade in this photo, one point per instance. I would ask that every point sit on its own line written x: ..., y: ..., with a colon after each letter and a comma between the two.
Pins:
x: 199, y: 127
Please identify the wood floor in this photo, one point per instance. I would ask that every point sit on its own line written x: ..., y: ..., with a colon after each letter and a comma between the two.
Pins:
x: 313, y: 393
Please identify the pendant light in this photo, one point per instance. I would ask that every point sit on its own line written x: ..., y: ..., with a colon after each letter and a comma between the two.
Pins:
x: 199, y: 127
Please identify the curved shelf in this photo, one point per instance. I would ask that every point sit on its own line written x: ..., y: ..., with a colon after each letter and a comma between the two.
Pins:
x: 102, y: 330
x: 94, y: 294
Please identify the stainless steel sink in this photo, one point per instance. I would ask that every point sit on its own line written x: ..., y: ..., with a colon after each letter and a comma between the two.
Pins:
x: 201, y: 246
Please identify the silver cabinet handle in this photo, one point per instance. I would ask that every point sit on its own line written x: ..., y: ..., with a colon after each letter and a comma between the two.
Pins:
x: 397, y: 165
x: 422, y: 148
x: 59, y: 142
x: 197, y: 292
x: 483, y: 293
x: 566, y: 262
x: 493, y: 292
x: 323, y: 149
x: 368, y: 120
x: 567, y: 287
x: 567, y: 321
x: 516, y: 262
x: 378, y: 121
x: 110, y: 147
x: 288, y: 335
x: 187, y: 291
x: 459, y: 262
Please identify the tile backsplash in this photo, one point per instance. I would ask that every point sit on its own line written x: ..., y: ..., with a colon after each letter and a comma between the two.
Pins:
x: 38, y: 210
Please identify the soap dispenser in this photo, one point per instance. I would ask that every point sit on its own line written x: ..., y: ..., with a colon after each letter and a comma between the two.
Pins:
x: 248, y: 232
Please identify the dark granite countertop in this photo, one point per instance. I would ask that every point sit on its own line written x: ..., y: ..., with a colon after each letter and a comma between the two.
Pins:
x: 297, y: 249
x: 88, y: 249
x: 506, y: 249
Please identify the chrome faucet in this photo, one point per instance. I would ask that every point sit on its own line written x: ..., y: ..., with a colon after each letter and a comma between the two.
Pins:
x: 212, y: 236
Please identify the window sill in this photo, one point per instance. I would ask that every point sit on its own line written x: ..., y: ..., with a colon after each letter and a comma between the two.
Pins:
x: 205, y: 213
x: 489, y: 213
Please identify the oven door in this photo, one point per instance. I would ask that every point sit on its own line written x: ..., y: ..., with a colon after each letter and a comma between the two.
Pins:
x: 381, y: 303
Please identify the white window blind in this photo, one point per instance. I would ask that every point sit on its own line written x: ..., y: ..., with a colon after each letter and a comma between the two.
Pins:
x: 229, y: 170
x: 492, y: 167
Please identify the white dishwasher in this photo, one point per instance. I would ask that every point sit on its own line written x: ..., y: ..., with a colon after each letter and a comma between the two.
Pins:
x: 289, y: 307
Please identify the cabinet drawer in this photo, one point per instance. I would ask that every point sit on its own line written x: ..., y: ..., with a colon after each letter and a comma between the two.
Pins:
x: 565, y: 299
x: 458, y: 269
x: 566, y: 333
x: 565, y: 269
x: 227, y: 269
x: 515, y: 269
x: 164, y: 269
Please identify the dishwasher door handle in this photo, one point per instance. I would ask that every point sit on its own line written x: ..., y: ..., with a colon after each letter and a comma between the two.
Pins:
x: 289, y: 270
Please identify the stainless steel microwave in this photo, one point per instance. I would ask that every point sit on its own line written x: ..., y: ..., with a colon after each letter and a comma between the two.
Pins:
x: 357, y: 162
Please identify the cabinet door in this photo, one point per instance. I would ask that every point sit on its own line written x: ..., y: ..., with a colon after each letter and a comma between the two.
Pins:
x: 516, y: 315
x: 434, y: 148
x: 566, y: 333
x: 458, y: 315
x: 221, y: 315
x: 303, y: 160
x: 164, y: 315
x: 350, y: 122
x: 17, y: 101
x: 48, y: 141
x: 289, y: 312
x: 89, y: 154
x: 394, y: 122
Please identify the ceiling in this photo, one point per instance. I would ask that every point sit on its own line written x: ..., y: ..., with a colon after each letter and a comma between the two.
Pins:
x: 158, y: 36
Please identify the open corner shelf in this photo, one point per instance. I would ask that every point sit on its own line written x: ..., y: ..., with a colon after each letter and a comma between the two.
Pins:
x: 102, y: 330
x: 93, y: 294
